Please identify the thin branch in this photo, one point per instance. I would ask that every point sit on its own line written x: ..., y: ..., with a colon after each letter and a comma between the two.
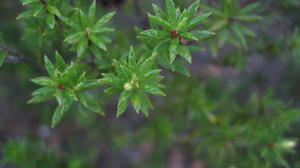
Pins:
x: 15, y: 57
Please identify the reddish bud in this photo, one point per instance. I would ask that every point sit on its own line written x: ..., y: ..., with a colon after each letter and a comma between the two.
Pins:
x: 271, y: 145
x: 60, y: 86
x: 183, y: 41
x: 174, y: 33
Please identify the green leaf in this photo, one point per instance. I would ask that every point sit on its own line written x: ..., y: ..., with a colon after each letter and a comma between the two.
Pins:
x: 213, y: 48
x: 136, y: 101
x: 50, y: 68
x: 3, y: 55
x: 72, y: 73
x: 202, y: 34
x: 92, y: 10
x: 157, y: 20
x: 102, y: 30
x: 171, y: 10
x: 74, y: 38
x: 68, y: 22
x: 192, y: 10
x: 215, y: 12
x: 27, y: 14
x: 181, y: 68
x: 173, y: 49
x: 158, y: 11
x: 51, y: 21
x: 97, y: 42
x: 198, y: 20
x: 45, y: 91
x: 153, y: 33
x: 105, y: 19
x: 39, y: 99
x: 152, y: 73
x: 82, y: 47
x: 240, y: 35
x: 190, y: 36
x: 105, y: 39
x: 156, y: 50
x: 123, y: 102
x: 145, y: 104
x: 154, y: 90
x: 92, y: 84
x: 70, y: 94
x: 44, y: 81
x: 182, y: 23
x: 82, y: 19
x: 97, y: 52
x: 60, y: 63
x: 245, y: 30
x: 53, y: 10
x: 112, y: 90
x: 249, y: 18
x: 59, y: 113
x: 109, y: 79
x: 64, y: 104
x: 185, y: 53
x: 42, y: 94
x: 132, y: 58
x: 222, y: 38
x: 249, y: 8
x: 83, y: 110
x: 125, y: 72
x: 218, y: 25
x: 26, y: 2
x: 147, y: 64
x: 90, y: 102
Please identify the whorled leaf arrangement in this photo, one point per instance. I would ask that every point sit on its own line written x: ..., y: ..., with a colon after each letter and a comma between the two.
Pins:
x: 67, y: 84
x: 135, y: 78
x: 230, y: 25
x: 42, y: 8
x: 171, y: 32
x: 88, y: 34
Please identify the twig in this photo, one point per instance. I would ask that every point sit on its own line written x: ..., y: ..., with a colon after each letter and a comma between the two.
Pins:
x: 15, y: 57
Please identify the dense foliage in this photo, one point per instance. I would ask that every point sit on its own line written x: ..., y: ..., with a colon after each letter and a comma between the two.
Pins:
x: 222, y: 110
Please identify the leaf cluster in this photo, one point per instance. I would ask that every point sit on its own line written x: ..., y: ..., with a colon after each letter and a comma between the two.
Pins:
x: 230, y: 20
x: 68, y: 85
x: 171, y: 32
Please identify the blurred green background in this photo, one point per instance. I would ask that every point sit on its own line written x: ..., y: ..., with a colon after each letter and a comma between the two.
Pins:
x: 228, y: 114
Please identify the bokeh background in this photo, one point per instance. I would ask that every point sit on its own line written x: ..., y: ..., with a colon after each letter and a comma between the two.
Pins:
x: 172, y: 136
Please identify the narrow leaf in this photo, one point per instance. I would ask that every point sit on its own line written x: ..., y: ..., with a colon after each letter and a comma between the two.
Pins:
x: 60, y: 63
x: 53, y: 10
x: 105, y: 19
x: 198, y: 20
x: 3, y: 55
x: 202, y: 34
x: 50, y: 68
x: 123, y: 102
x: 157, y: 20
x: 192, y: 10
x: 74, y: 38
x: 44, y: 81
x: 173, y: 49
x: 132, y: 58
x: 82, y: 47
x: 51, y: 21
x: 97, y: 42
x: 153, y: 90
x: 171, y: 10
x: 92, y: 10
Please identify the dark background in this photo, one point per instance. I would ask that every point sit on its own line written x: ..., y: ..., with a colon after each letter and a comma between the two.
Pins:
x: 111, y: 142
